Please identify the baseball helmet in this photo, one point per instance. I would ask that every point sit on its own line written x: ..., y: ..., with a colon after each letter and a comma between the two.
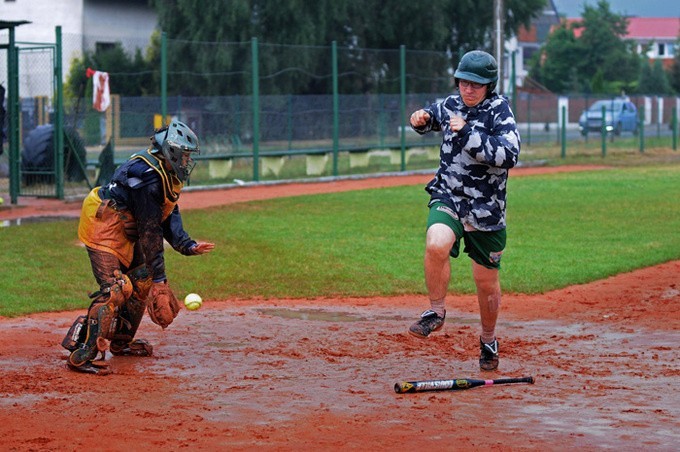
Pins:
x: 478, y: 66
x: 173, y: 142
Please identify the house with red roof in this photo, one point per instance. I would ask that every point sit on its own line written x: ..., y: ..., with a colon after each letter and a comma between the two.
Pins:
x: 659, y: 35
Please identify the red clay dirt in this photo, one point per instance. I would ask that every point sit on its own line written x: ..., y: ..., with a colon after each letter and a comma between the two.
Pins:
x: 318, y: 374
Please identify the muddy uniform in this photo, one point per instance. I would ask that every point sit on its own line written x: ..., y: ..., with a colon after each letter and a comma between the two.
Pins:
x: 131, y: 216
x: 473, y: 170
x: 123, y: 225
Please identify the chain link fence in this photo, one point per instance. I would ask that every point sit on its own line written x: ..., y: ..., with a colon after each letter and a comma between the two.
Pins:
x: 276, y: 111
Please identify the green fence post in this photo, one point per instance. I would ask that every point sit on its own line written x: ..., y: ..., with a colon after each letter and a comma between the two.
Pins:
x: 59, y: 117
x: 603, y: 131
x: 239, y: 124
x: 164, y: 78
x: 402, y: 104
x: 528, y: 119
x: 564, y: 131
x: 289, y: 122
x: 658, y: 116
x: 381, y: 119
x: 14, y: 110
x: 256, y: 111
x: 642, y: 129
x: 513, y: 83
x: 585, y: 108
x: 336, y: 107
x: 675, y: 128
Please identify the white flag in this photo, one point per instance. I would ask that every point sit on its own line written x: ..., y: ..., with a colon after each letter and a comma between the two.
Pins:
x: 101, y: 98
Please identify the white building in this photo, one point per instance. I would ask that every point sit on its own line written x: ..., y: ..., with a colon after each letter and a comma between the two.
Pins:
x: 85, y: 26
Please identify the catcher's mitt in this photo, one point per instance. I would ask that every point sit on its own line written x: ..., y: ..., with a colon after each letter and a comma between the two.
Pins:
x: 163, y: 305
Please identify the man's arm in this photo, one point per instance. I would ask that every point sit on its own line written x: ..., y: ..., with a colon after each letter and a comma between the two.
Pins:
x: 179, y: 239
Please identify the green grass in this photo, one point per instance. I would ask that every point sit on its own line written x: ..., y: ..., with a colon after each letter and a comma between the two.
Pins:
x: 563, y: 229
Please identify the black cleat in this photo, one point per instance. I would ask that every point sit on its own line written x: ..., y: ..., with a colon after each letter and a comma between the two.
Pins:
x: 138, y: 347
x: 488, y: 359
x: 429, y: 321
x: 91, y: 367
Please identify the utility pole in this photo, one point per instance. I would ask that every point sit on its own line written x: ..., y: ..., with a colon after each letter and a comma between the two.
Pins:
x: 498, y: 15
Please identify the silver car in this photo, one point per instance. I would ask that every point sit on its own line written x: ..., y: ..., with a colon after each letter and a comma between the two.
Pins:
x: 620, y: 116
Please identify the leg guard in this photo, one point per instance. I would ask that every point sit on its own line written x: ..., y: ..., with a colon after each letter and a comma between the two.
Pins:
x: 129, y: 318
x: 130, y: 315
x: 89, y: 336
x: 76, y: 334
x: 82, y: 356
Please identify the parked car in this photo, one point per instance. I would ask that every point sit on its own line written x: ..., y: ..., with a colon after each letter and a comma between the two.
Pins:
x: 620, y: 116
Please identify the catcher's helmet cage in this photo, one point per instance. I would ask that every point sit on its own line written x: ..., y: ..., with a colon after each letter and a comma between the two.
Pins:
x: 478, y: 66
x: 174, y: 142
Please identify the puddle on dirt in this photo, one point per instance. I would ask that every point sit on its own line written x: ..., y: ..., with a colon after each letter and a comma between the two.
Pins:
x: 339, y: 316
x: 26, y: 399
x: 313, y: 314
x: 33, y: 220
x: 233, y: 345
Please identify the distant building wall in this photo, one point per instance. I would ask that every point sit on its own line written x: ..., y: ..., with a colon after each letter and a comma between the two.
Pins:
x: 129, y: 22
x: 84, y: 24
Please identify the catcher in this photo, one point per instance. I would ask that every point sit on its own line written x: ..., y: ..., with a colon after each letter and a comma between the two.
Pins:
x: 123, y: 225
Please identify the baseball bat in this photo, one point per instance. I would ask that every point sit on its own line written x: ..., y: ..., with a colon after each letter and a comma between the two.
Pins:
x: 457, y: 384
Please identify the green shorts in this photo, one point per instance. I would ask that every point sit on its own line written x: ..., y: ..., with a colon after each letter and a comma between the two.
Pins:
x: 485, y: 248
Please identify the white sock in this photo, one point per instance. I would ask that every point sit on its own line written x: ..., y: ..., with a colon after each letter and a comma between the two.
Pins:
x: 488, y: 336
x: 438, y: 306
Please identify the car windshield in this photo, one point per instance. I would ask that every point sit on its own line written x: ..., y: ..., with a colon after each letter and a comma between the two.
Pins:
x: 610, y: 105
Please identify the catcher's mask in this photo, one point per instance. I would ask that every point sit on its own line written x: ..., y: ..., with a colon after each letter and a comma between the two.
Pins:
x: 177, y: 142
x: 479, y: 67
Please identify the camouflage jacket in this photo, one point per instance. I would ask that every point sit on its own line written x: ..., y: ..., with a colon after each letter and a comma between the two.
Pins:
x: 474, y: 162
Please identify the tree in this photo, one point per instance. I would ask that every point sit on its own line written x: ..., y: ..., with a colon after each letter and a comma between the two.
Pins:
x: 133, y: 77
x: 600, y: 53
x: 214, y: 38
x: 674, y: 73
x: 554, y: 66
x: 605, y: 49
x: 453, y: 26
x: 653, y: 79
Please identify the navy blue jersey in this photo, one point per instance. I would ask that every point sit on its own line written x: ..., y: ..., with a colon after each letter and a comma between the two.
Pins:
x: 150, y: 193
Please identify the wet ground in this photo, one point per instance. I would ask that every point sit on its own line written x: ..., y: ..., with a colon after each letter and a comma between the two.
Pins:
x: 318, y: 374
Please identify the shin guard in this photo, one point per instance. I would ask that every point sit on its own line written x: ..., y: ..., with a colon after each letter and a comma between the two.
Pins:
x: 99, y: 325
x: 130, y: 315
x: 100, y: 314
x: 76, y: 334
x: 129, y: 318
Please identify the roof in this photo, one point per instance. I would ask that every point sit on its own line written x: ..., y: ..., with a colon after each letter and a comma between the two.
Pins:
x: 653, y: 27
x: 645, y: 28
x: 525, y: 35
x: 5, y: 24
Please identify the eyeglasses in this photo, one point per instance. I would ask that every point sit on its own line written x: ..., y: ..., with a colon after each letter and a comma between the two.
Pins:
x: 468, y: 84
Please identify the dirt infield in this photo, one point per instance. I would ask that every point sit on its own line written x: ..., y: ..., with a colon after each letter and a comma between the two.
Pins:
x: 318, y: 374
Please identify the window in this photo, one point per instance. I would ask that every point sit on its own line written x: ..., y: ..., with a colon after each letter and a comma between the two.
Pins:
x: 661, y: 49
x: 104, y: 46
